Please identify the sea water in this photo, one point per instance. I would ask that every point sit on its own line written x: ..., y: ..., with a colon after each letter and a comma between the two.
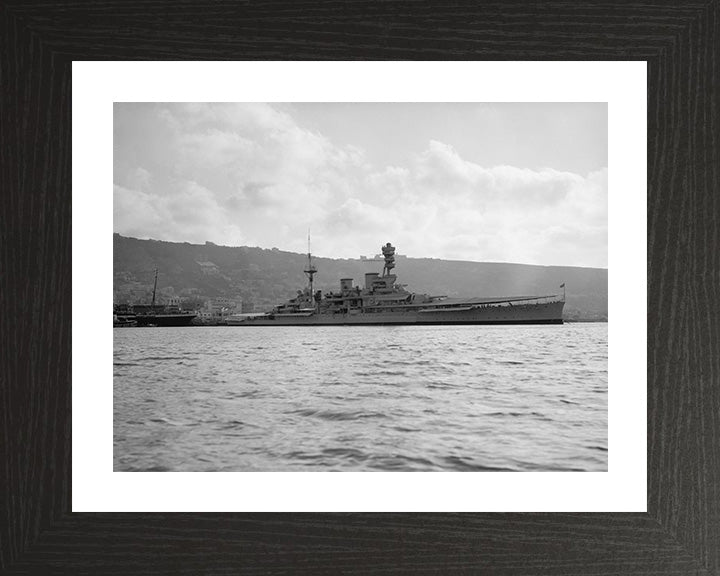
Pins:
x: 369, y: 398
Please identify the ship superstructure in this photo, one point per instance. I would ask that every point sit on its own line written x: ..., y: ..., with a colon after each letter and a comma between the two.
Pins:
x: 381, y: 300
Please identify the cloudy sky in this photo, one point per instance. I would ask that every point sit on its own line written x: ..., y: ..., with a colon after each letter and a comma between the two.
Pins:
x: 485, y: 182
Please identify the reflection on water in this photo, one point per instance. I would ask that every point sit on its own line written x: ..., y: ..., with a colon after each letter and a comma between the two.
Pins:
x: 414, y: 398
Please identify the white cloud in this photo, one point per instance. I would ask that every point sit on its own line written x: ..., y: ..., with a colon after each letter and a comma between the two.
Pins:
x: 249, y: 174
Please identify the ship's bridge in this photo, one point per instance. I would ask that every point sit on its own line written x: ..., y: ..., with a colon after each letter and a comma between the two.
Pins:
x: 384, y: 283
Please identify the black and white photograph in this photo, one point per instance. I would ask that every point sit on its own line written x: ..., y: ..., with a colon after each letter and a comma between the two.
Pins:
x: 362, y: 287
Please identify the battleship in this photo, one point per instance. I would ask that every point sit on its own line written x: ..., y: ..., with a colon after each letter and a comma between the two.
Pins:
x: 382, y: 301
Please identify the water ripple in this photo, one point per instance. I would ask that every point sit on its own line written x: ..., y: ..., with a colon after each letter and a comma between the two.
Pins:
x: 476, y: 399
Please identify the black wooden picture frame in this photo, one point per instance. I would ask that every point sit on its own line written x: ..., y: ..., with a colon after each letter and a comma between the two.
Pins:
x: 680, y: 533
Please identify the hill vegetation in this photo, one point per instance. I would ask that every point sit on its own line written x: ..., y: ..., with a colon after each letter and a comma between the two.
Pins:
x: 265, y: 277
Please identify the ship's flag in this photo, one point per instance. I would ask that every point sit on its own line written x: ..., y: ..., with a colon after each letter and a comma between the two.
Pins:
x: 562, y: 285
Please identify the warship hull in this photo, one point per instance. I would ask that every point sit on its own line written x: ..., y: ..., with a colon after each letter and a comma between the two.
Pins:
x: 522, y: 313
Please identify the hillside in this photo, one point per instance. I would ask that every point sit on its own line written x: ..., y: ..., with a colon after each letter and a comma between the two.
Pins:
x: 263, y: 277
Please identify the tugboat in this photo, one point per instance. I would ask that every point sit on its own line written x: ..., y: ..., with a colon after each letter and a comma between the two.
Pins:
x: 381, y: 301
x: 163, y: 315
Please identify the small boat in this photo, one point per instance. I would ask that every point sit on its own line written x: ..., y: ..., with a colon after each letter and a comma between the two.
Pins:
x: 123, y: 321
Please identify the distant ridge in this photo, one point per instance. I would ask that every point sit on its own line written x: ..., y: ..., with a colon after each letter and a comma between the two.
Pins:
x: 264, y: 277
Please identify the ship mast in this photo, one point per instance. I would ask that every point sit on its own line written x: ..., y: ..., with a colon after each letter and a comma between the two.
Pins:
x: 152, y: 306
x: 388, y: 252
x: 310, y: 271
